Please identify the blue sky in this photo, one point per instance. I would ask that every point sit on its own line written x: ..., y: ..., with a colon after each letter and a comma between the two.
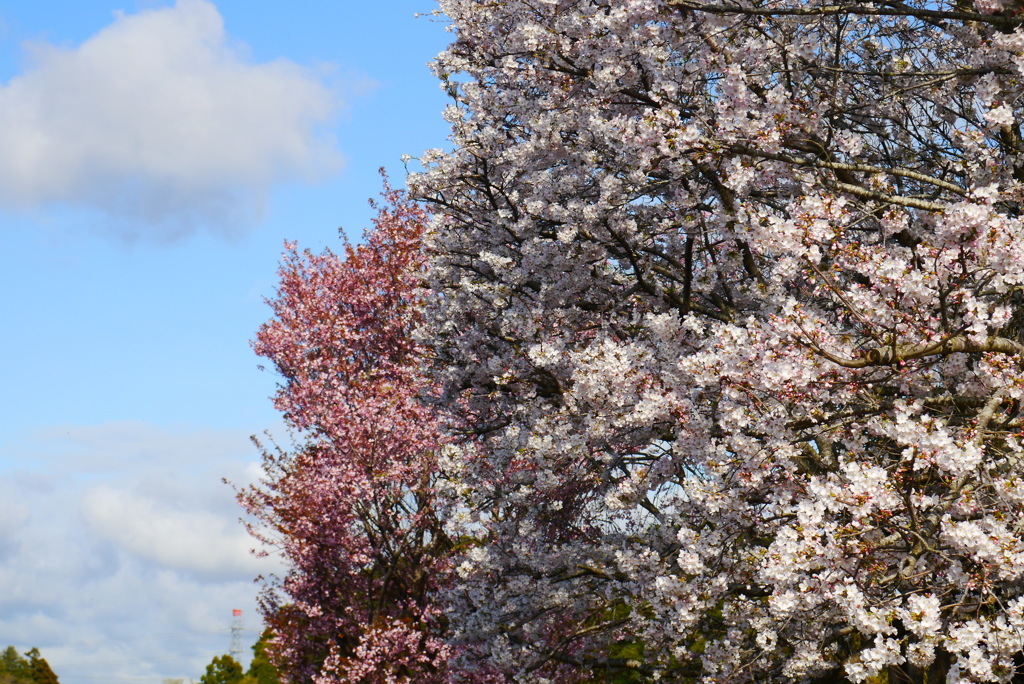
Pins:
x: 153, y: 158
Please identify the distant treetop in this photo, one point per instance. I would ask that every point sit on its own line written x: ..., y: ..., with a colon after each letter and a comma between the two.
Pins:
x: 31, y: 668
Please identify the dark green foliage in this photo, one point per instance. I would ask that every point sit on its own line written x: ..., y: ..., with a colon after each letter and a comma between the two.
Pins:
x: 262, y: 671
x: 226, y: 670
x: 223, y: 670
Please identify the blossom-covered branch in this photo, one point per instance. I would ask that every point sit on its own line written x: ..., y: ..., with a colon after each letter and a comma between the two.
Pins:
x: 353, y: 506
x: 727, y: 306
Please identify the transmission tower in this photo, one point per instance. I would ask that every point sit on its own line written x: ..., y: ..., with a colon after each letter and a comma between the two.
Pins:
x: 236, y: 635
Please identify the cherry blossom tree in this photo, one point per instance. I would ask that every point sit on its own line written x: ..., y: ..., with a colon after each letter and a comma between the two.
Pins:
x: 726, y: 307
x: 352, y: 507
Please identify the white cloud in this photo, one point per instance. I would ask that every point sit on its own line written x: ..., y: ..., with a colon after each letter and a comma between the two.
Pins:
x: 119, y: 444
x: 13, y: 515
x: 188, y: 540
x: 161, y: 119
x: 121, y: 554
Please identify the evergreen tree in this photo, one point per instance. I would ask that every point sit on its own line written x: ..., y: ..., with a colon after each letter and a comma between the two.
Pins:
x: 13, y: 667
x: 18, y: 669
x: 40, y: 669
x: 222, y: 670
x: 262, y: 670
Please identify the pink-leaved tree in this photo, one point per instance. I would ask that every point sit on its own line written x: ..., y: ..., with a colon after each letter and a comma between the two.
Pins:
x: 352, y: 506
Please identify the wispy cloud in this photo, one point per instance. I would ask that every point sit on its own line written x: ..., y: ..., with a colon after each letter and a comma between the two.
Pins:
x: 173, y: 537
x: 121, y: 554
x: 160, y: 121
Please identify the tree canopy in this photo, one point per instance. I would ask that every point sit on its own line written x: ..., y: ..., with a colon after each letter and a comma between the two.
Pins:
x: 708, y: 366
x: 30, y: 668
x: 353, y: 506
x: 262, y: 669
x: 224, y: 669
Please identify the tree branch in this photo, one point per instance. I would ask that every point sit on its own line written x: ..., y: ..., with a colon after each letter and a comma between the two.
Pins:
x: 889, y: 9
x: 886, y: 356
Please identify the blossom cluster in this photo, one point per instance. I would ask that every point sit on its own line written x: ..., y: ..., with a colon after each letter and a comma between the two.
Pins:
x: 352, y: 506
x: 726, y: 316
